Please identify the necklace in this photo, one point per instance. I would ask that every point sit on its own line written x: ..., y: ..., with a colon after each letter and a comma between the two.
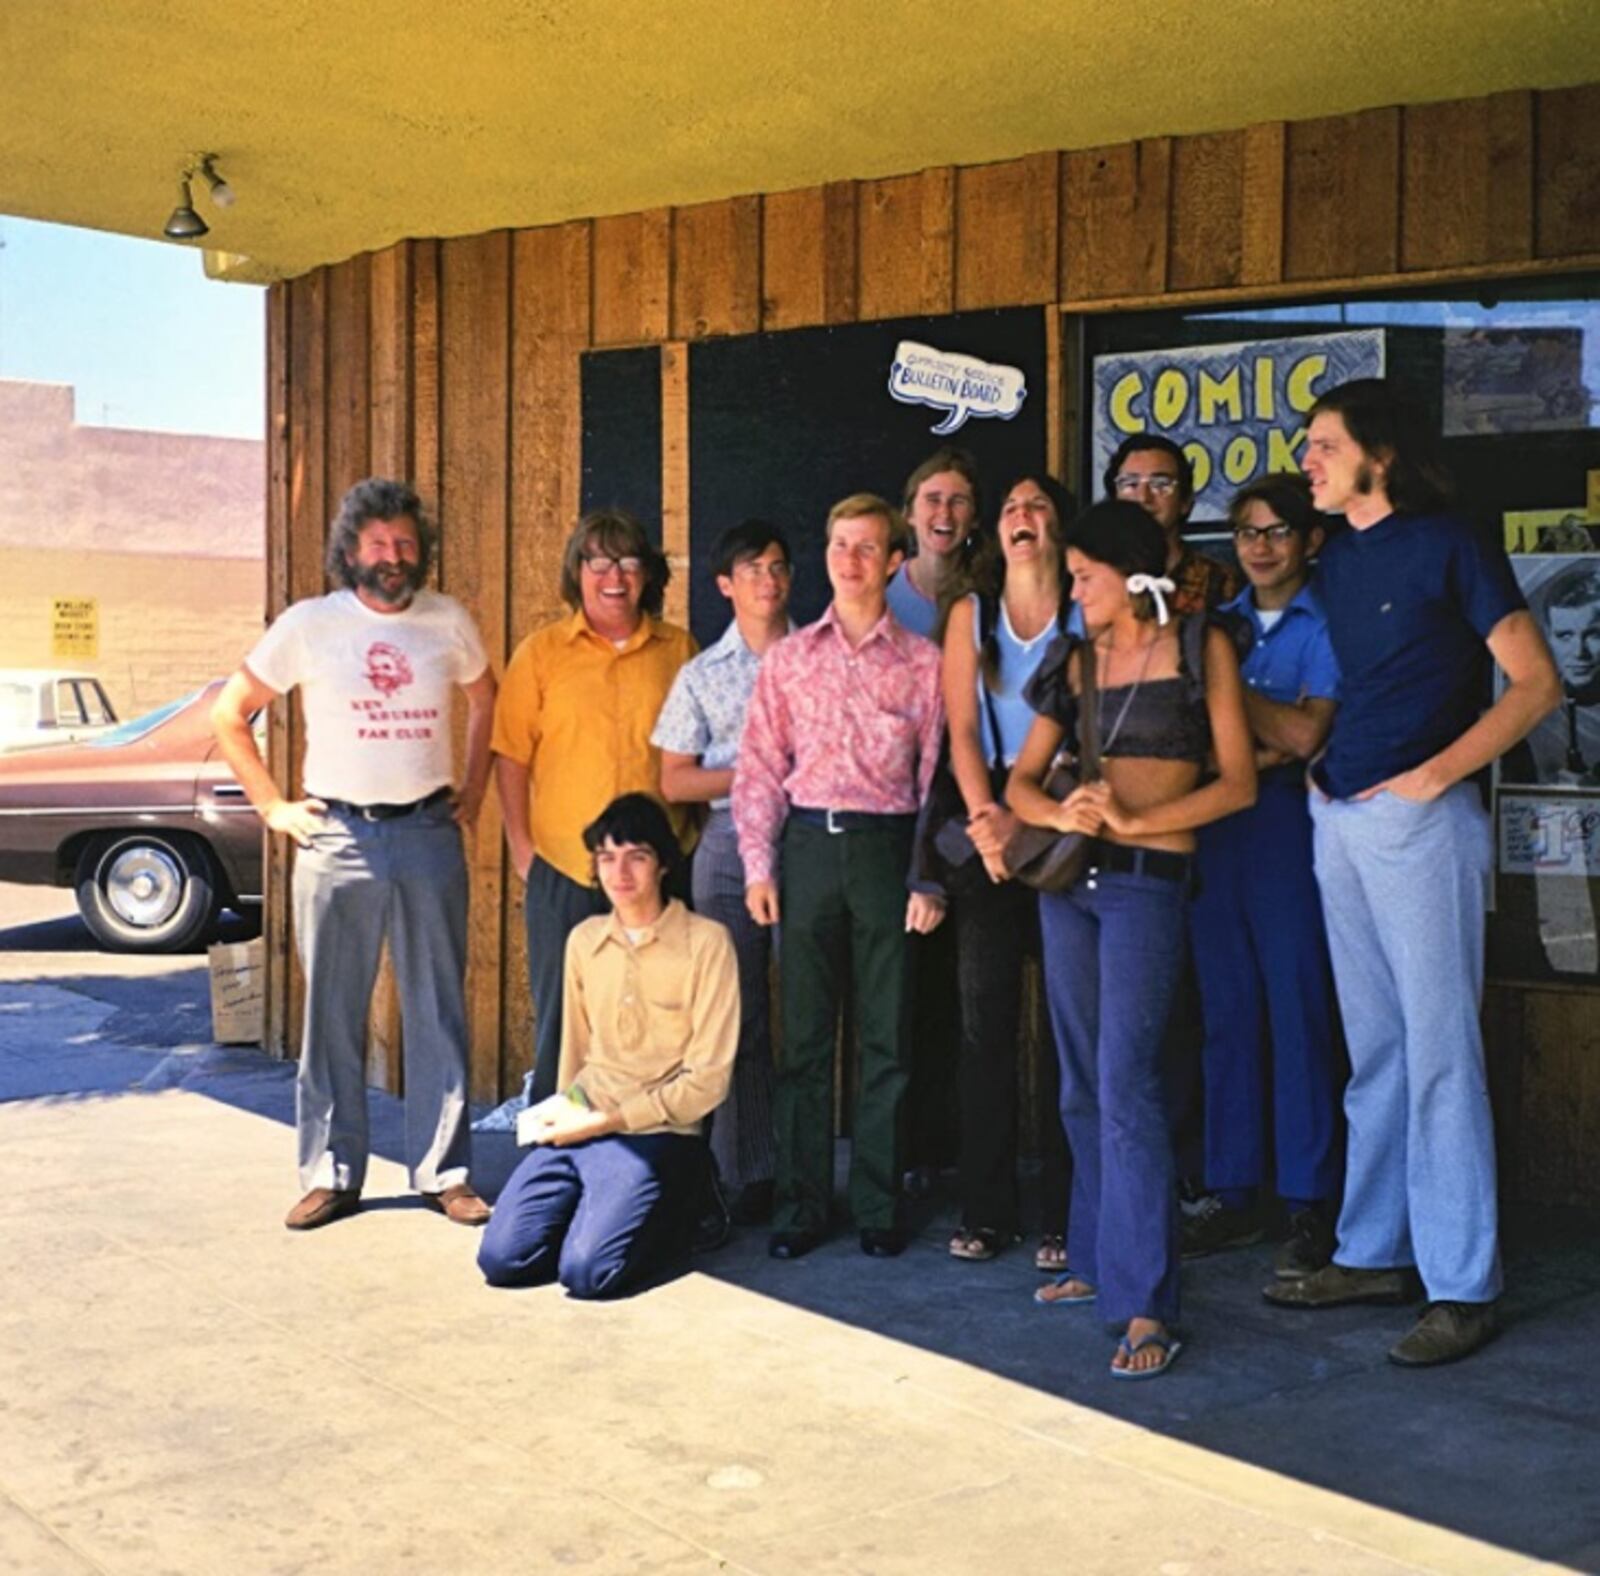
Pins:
x: 1133, y: 689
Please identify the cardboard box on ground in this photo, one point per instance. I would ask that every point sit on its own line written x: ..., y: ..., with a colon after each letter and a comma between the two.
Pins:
x: 238, y: 991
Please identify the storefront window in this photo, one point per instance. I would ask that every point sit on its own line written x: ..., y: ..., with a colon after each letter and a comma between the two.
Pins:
x: 1510, y: 376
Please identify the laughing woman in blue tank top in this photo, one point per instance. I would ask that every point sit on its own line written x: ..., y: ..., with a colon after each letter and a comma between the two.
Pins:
x: 998, y: 629
x: 1170, y: 706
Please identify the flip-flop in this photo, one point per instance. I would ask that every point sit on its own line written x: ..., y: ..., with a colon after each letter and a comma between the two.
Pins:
x: 1051, y: 1257
x: 1170, y: 1346
x: 1065, y: 1302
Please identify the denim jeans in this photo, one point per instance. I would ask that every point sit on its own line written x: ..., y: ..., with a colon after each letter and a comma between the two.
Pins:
x: 1113, y: 952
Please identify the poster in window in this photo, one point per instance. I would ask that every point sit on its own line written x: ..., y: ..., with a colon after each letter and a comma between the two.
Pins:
x: 1563, y: 751
x: 1501, y: 380
x: 1238, y: 411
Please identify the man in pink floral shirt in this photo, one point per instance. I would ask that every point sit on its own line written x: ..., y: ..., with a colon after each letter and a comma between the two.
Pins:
x: 839, y: 748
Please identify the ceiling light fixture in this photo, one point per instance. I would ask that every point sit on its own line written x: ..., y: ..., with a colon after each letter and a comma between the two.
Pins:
x: 183, y: 223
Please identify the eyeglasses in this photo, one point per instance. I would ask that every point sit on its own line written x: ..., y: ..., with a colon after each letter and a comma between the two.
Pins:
x: 754, y: 569
x: 1131, y: 482
x: 1249, y: 535
x: 601, y: 564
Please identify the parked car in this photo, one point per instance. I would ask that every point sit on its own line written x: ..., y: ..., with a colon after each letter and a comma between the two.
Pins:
x: 45, y: 706
x: 144, y: 821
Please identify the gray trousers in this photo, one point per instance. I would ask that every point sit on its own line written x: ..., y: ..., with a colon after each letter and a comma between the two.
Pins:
x: 741, y: 1127
x: 1403, y: 888
x: 361, y: 880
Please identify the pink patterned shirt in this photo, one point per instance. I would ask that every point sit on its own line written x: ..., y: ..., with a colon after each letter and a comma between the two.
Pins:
x: 830, y: 728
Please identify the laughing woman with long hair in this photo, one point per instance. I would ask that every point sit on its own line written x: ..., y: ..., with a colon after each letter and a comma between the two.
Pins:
x: 995, y: 637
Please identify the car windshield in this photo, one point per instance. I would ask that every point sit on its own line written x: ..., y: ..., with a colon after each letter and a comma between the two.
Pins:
x: 16, y: 705
x: 136, y: 728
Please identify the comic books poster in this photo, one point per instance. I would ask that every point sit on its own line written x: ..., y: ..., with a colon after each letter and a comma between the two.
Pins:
x: 1238, y: 411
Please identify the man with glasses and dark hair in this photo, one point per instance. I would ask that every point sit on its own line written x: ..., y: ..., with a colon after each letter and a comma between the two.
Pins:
x: 377, y: 663
x: 1155, y: 473
x: 1418, y: 603
x: 698, y: 734
x: 1259, y: 945
x: 572, y: 730
x: 607, y: 1197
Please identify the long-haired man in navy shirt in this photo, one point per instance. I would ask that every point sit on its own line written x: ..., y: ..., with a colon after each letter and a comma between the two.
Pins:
x: 1417, y: 604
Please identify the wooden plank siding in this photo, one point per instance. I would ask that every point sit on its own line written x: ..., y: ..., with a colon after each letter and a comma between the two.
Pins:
x: 457, y: 363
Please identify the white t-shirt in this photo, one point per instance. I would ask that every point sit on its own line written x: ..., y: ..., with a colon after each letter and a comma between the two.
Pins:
x: 377, y: 690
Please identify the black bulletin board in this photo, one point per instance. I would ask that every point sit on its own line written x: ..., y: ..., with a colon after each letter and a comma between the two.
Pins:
x: 784, y: 425
x: 621, y: 393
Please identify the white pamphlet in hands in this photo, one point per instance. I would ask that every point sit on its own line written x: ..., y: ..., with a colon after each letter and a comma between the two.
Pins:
x: 534, y: 1123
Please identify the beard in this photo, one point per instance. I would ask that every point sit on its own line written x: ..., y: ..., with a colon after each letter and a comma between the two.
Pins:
x: 382, y: 582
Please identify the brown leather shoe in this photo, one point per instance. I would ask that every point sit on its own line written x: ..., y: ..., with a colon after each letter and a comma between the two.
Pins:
x: 321, y: 1206
x: 1446, y: 1332
x: 1333, y: 1286
x: 460, y: 1204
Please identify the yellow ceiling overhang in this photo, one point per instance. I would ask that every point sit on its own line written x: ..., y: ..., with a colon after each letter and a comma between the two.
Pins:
x: 344, y: 125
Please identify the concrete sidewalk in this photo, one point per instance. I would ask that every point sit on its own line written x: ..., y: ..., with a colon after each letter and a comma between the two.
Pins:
x: 187, y: 1387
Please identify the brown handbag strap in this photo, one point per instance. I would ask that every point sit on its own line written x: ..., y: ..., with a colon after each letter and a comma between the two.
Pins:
x: 1088, y: 714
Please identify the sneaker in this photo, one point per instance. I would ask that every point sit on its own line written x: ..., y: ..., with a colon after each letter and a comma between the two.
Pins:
x: 1310, y: 1245
x: 1213, y: 1229
x: 1446, y: 1332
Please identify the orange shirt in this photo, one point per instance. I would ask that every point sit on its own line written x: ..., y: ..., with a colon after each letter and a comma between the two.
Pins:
x: 577, y: 711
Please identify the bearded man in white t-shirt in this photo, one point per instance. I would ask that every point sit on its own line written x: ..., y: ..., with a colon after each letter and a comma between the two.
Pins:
x: 377, y: 663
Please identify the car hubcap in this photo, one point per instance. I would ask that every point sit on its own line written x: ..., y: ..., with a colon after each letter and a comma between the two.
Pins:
x: 144, y: 886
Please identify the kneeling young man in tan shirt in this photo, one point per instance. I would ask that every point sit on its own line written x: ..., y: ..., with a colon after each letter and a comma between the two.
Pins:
x: 649, y: 1030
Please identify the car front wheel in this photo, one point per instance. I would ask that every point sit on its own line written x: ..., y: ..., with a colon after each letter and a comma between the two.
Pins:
x: 147, y: 891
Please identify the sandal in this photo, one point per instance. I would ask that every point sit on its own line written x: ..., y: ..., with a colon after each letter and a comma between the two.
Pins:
x: 1077, y: 1299
x: 1170, y: 1347
x: 976, y: 1244
x: 1051, y: 1257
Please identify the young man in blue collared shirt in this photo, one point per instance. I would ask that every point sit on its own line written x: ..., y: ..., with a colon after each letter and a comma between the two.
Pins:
x: 1259, y: 943
x: 698, y: 734
x: 1418, y: 603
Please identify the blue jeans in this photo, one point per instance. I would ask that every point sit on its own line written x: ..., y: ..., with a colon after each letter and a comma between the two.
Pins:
x: 1403, y: 887
x: 1113, y: 949
x: 600, y: 1217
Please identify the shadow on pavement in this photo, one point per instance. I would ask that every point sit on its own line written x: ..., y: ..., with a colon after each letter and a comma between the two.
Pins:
x: 1503, y: 1448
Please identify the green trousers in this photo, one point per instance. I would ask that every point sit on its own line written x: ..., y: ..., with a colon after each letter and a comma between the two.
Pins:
x: 843, y: 902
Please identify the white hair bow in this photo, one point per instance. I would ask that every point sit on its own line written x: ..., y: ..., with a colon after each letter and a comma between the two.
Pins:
x: 1159, y: 586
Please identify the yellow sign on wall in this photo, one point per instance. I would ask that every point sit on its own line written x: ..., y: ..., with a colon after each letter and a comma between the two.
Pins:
x: 75, y: 627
